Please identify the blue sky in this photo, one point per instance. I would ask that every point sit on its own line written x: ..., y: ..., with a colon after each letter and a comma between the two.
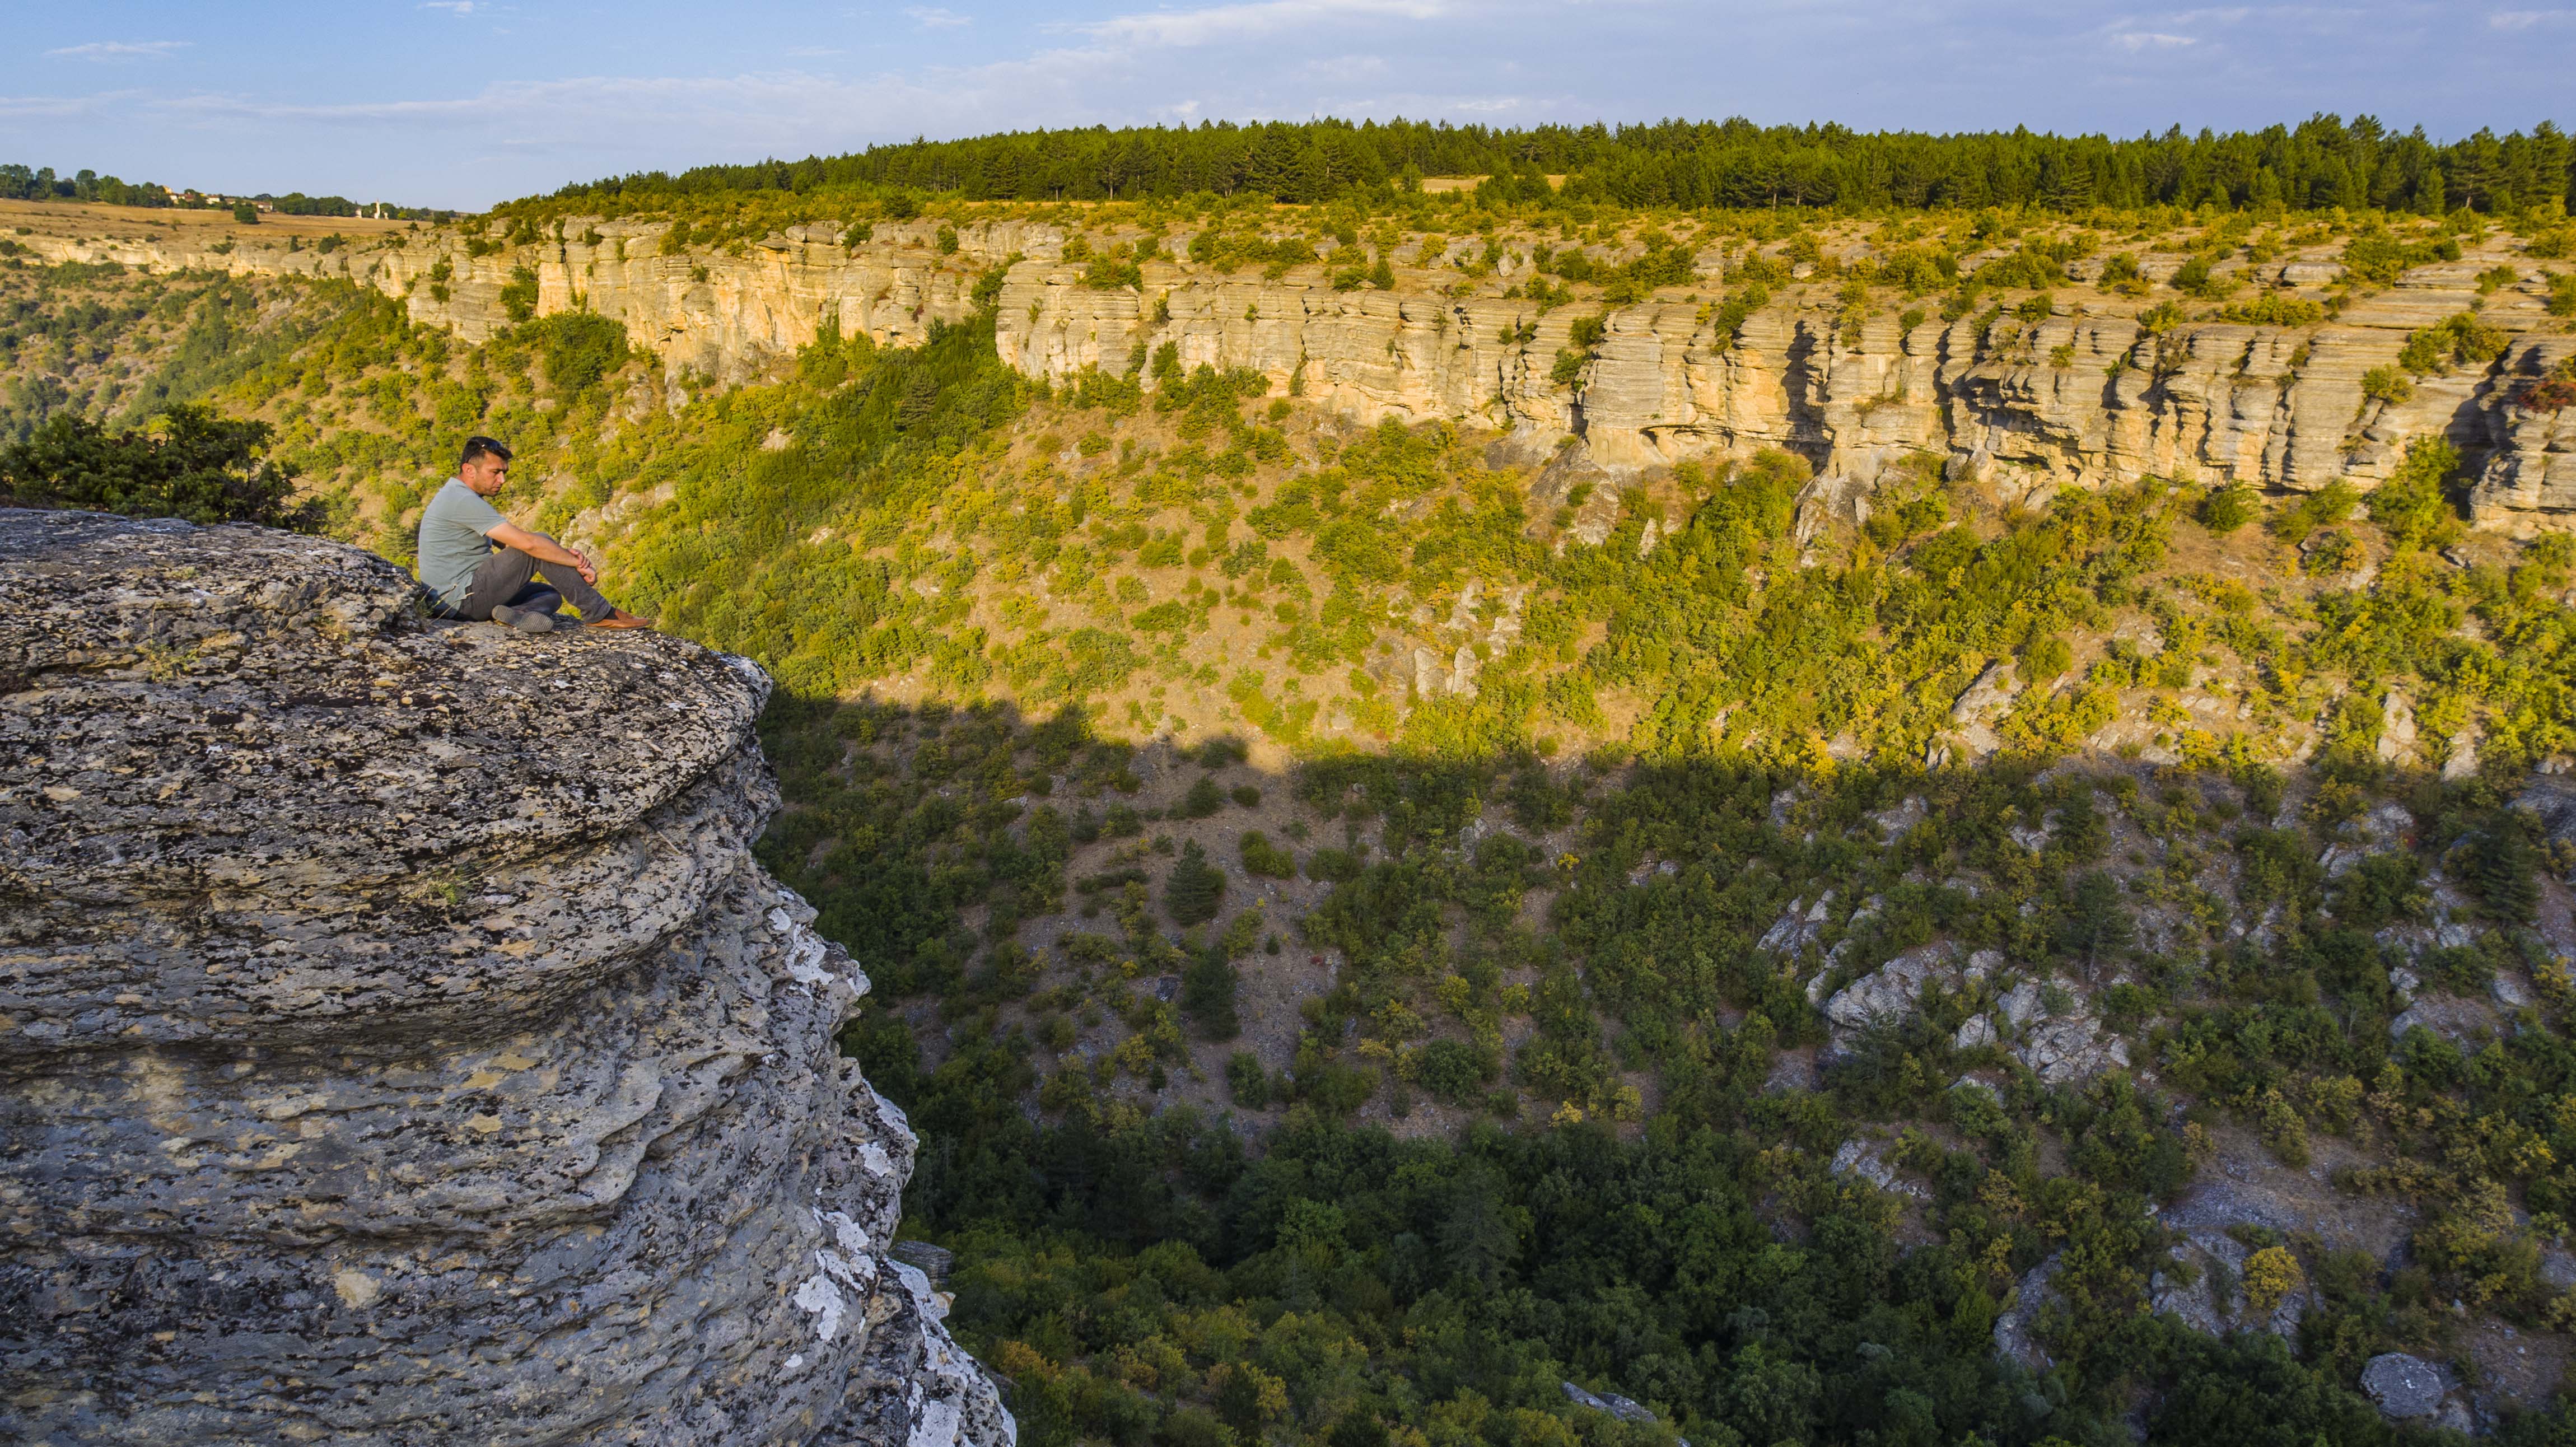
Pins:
x: 466, y: 102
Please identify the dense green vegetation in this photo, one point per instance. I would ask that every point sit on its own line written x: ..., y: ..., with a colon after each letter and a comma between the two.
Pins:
x: 39, y: 183
x: 121, y: 348
x: 1156, y: 1277
x: 2322, y: 163
x: 194, y: 465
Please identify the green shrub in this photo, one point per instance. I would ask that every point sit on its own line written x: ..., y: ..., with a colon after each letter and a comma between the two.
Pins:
x: 2273, y: 309
x: 197, y: 466
x: 1246, y: 1081
x: 2194, y: 276
x: 1265, y: 859
x: 2462, y: 339
x: 579, y: 348
x: 1336, y: 866
x: 1204, y: 798
x: 1453, y: 1070
x: 2225, y: 509
x: 519, y: 294
x: 2046, y: 659
x: 2413, y: 505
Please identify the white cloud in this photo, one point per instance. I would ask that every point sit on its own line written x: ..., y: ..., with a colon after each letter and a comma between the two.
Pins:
x: 936, y: 17
x: 453, y: 7
x: 1345, y: 69
x: 2136, y: 40
x: 2526, y: 19
x: 1253, y: 20
x: 122, y: 49
x: 69, y: 107
x: 702, y: 117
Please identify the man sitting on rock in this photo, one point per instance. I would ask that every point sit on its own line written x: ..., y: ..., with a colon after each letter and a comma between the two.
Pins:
x: 483, y: 566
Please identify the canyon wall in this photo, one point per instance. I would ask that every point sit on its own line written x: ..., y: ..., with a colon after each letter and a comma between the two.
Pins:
x: 398, y: 1042
x: 2084, y: 398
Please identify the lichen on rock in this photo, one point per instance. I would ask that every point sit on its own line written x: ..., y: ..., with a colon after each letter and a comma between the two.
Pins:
x: 398, y: 1042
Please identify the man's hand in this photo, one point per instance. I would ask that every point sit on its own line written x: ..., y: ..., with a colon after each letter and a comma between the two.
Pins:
x: 582, y: 564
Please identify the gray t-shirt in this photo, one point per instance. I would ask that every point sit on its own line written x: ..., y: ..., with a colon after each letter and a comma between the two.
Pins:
x: 452, y: 539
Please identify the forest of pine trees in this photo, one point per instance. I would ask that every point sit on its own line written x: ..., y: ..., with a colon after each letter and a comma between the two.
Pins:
x: 2322, y: 163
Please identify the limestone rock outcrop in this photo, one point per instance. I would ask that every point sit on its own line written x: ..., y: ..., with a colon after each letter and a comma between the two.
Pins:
x: 398, y: 1043
x: 2087, y: 396
x: 2531, y: 455
x: 2409, y: 1388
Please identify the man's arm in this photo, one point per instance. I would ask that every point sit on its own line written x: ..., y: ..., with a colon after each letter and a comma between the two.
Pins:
x: 544, y: 549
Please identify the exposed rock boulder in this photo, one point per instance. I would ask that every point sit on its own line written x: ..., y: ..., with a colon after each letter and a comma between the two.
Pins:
x: 2396, y: 728
x: 2408, y: 1388
x: 2017, y: 1325
x: 1623, y: 1408
x: 2552, y: 797
x: 2455, y: 1018
x: 2204, y: 1289
x: 1891, y: 991
x: 1798, y: 926
x: 2382, y: 830
x: 2063, y: 1042
x: 398, y: 1042
x: 2404, y: 1386
x: 1978, y: 707
x: 1867, y: 1161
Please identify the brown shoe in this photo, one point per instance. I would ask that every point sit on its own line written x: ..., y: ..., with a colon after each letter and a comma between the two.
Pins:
x: 620, y: 618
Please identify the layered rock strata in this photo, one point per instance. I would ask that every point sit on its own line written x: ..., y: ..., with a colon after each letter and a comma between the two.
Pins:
x: 2085, y: 397
x: 398, y: 1043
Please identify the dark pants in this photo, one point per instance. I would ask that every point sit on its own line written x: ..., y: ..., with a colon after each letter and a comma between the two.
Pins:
x: 514, y: 578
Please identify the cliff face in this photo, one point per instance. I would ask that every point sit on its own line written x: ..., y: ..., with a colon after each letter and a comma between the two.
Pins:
x: 398, y: 1042
x: 2085, y: 398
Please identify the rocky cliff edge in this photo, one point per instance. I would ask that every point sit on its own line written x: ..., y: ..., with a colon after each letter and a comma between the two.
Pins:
x: 398, y: 1042
x: 2089, y: 396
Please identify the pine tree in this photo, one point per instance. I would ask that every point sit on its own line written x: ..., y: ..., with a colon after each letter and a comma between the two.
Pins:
x: 2094, y: 925
x: 1207, y: 995
x: 1194, y: 889
x: 2498, y: 867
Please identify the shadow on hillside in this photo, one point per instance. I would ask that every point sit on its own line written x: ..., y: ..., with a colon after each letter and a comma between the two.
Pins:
x: 1427, y: 943
x: 2030, y: 1003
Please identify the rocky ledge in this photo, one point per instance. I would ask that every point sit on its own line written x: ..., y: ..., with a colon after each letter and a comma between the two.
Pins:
x: 398, y: 1042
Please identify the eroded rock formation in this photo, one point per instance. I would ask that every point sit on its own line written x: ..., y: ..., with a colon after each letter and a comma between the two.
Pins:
x: 398, y: 1043
x: 2086, y: 397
